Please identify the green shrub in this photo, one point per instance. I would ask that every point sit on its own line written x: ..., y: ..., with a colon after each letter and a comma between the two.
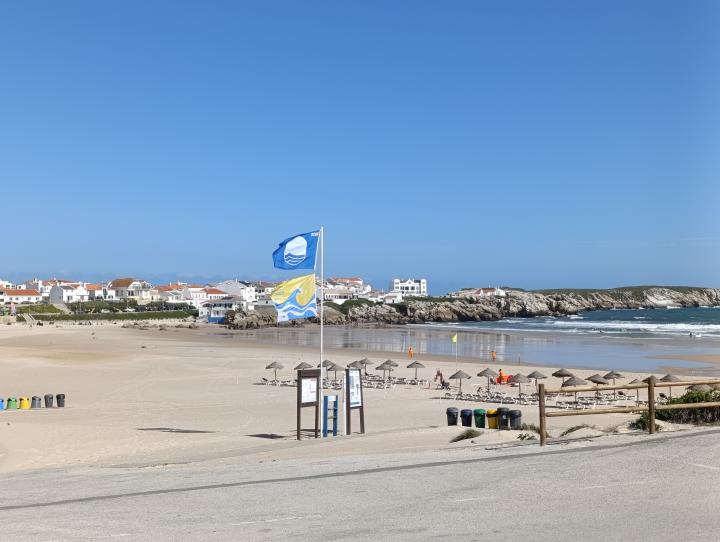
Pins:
x: 40, y: 308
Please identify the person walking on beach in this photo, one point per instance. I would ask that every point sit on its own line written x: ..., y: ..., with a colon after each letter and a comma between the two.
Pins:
x: 493, y: 354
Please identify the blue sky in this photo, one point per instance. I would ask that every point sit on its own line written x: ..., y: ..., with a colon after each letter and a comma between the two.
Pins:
x: 536, y: 144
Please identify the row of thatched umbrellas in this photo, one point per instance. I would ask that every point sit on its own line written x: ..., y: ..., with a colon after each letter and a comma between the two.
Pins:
x: 386, y: 366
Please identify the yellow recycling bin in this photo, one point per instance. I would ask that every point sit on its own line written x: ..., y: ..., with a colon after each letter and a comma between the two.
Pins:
x: 492, y: 418
x: 24, y: 403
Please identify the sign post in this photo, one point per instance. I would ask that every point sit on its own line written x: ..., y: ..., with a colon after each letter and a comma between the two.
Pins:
x: 308, y: 394
x: 354, y: 398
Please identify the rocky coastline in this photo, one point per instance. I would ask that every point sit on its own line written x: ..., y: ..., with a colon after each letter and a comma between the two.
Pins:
x: 516, y: 303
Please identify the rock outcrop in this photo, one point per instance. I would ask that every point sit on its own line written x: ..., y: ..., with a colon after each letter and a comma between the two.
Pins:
x: 517, y: 303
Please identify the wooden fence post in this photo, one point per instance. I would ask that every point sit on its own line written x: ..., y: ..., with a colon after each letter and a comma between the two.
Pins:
x: 651, y: 405
x: 541, y: 403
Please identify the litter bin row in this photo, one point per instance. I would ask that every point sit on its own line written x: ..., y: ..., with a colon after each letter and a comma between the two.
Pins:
x: 494, y: 418
x: 28, y: 403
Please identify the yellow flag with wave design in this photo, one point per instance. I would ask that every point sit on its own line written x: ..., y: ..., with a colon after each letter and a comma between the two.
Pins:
x: 295, y: 298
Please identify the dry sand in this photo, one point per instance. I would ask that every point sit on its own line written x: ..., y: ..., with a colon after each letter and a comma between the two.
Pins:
x: 151, y: 397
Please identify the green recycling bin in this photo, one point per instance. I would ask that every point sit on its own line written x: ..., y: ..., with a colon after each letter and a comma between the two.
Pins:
x: 479, y: 414
x: 11, y: 403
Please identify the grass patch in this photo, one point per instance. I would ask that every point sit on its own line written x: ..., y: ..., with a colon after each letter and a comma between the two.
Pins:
x: 40, y: 308
x: 468, y: 433
x: 696, y: 416
x: 162, y: 315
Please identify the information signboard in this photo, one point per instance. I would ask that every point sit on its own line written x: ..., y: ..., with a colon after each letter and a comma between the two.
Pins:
x: 308, y: 395
x: 353, y: 398
x: 354, y: 385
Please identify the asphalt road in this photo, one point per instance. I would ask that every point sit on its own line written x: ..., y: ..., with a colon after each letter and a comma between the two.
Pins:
x: 667, y: 487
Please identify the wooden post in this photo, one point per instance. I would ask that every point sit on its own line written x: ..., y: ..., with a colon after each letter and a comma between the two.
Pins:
x: 651, y: 405
x: 541, y: 403
x: 299, y: 402
x: 346, y: 401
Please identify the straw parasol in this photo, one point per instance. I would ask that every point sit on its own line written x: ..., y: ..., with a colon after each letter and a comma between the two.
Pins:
x: 563, y: 373
x: 537, y: 375
x: 670, y: 378
x: 303, y: 365
x: 391, y: 363
x: 612, y: 375
x: 331, y: 366
x: 365, y: 362
x: 700, y: 387
x: 385, y: 366
x: 597, y: 379
x: 572, y: 382
x: 275, y: 365
x: 416, y: 365
x: 459, y: 375
x: 354, y: 365
x: 519, y: 379
x: 489, y: 373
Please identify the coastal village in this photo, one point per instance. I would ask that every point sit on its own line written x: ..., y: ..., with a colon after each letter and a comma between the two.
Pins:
x: 211, y: 301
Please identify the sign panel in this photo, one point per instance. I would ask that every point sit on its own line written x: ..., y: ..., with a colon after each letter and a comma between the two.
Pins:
x: 354, y: 392
x: 309, y: 390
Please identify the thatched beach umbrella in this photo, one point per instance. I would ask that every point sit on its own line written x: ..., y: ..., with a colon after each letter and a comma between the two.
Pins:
x: 391, y: 363
x: 563, y: 373
x: 275, y: 365
x: 303, y: 365
x: 416, y: 365
x: 354, y: 365
x: 700, y: 387
x: 572, y: 382
x: 613, y: 375
x: 459, y: 375
x: 670, y: 378
x: 519, y: 379
x: 489, y: 373
x: 537, y: 375
x: 331, y: 366
x: 637, y: 391
x: 365, y: 362
x: 385, y: 366
x: 597, y: 379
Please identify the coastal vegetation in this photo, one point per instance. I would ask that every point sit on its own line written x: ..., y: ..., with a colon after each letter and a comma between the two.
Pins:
x: 696, y: 416
x: 145, y: 315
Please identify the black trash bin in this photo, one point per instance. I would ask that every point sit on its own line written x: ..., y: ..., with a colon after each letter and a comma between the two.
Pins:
x: 452, y: 415
x: 515, y: 419
x: 60, y: 400
x: 36, y: 402
x: 48, y: 400
x: 503, y: 415
x: 466, y: 416
x: 479, y: 414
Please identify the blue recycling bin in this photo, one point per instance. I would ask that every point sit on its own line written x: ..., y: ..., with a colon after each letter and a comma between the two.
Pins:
x: 2, y: 403
x: 466, y: 417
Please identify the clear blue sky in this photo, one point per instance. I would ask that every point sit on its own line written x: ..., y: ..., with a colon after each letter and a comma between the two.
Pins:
x: 536, y: 144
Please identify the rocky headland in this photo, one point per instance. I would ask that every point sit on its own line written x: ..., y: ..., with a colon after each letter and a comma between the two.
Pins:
x: 516, y: 303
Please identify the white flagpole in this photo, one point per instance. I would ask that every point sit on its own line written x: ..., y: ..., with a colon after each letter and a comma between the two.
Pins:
x: 322, y: 324
x: 456, y: 350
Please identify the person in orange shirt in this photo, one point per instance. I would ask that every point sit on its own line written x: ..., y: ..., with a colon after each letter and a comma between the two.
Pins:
x: 493, y: 354
x: 501, y: 377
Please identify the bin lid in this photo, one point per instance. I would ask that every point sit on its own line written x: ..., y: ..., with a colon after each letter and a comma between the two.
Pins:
x: 492, y: 412
x: 479, y: 411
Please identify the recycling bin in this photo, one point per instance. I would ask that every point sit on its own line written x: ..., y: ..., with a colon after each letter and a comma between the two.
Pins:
x: 515, y: 419
x: 2, y: 404
x: 503, y: 418
x: 48, y: 400
x: 452, y: 415
x: 11, y: 403
x: 60, y: 400
x: 36, y: 402
x: 479, y: 414
x: 466, y: 416
x: 24, y: 403
x: 492, y: 420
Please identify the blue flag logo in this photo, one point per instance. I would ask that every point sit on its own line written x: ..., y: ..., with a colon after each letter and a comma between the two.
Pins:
x: 297, y: 252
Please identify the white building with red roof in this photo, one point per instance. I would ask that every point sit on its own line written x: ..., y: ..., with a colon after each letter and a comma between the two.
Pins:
x: 19, y: 296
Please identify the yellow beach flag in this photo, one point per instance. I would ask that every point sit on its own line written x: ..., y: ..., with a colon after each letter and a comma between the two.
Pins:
x: 454, y: 338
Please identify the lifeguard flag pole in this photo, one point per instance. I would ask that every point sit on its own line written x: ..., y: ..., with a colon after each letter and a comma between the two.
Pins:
x: 322, y: 323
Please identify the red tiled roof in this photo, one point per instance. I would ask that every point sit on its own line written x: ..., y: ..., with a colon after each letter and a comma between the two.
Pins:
x: 214, y: 291
x: 16, y: 293
x: 94, y: 287
x: 122, y: 283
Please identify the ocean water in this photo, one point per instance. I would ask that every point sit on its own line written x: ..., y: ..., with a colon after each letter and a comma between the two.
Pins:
x: 700, y: 322
x: 640, y: 340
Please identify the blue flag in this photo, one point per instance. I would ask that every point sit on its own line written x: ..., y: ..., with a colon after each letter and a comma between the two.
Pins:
x: 297, y: 252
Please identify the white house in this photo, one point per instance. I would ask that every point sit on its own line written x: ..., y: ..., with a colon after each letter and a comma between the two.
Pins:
x: 68, y: 293
x: 19, y: 296
x: 338, y: 295
x: 131, y: 288
x: 44, y: 286
x: 214, y: 311
x: 481, y: 292
x: 409, y: 287
x: 353, y: 284
x: 100, y: 292
x: 243, y: 290
x: 391, y: 298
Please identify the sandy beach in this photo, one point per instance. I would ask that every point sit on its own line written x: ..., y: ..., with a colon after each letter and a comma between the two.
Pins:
x: 148, y: 397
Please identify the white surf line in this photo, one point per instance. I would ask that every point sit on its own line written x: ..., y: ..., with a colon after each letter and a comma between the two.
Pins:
x: 710, y: 467
x: 474, y: 499
x: 622, y: 484
x: 275, y: 520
